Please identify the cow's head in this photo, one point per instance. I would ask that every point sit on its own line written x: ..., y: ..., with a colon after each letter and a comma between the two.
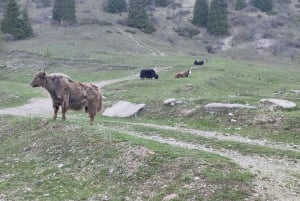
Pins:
x: 156, y: 76
x: 39, y: 79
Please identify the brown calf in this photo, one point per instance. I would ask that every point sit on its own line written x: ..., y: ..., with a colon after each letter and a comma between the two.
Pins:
x: 69, y: 94
x: 183, y: 74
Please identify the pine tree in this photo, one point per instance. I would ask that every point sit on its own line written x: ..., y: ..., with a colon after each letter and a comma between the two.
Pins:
x: 69, y: 11
x: 115, y: 6
x: 137, y: 16
x: 161, y: 3
x: 57, y: 11
x: 28, y: 31
x: 240, y: 4
x: 200, y: 13
x: 64, y: 10
x: 2, y: 43
x: 263, y: 5
x: 217, y: 23
x: 13, y: 23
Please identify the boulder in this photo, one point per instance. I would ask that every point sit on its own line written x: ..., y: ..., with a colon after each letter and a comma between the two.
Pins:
x: 295, y: 91
x: 172, y: 101
x: 223, y: 106
x: 123, y: 109
x: 285, y: 104
x: 170, y: 197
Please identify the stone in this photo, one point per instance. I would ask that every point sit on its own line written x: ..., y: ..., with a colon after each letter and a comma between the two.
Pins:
x: 223, y: 106
x: 285, y: 104
x: 123, y: 109
x: 170, y: 101
x: 295, y: 91
x: 170, y: 197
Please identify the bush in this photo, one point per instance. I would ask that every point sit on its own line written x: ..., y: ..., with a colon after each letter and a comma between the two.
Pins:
x: 187, y: 32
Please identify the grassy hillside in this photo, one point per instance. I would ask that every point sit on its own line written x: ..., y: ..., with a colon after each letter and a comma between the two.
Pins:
x: 48, y: 160
x: 161, y: 151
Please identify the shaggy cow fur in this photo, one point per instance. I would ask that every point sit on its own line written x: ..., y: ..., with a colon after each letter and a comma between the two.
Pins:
x: 196, y: 62
x: 183, y: 74
x: 69, y: 94
x: 148, y: 73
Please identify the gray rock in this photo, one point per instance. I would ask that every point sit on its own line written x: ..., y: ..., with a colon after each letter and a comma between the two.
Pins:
x: 280, y: 103
x: 123, y: 109
x: 170, y: 197
x: 170, y: 101
x: 223, y: 106
x: 295, y: 91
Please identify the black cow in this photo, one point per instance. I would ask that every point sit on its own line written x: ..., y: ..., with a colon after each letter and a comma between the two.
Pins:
x: 148, y: 73
x: 196, y: 62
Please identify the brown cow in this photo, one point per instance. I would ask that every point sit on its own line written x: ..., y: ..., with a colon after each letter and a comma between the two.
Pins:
x: 69, y: 94
x: 183, y: 74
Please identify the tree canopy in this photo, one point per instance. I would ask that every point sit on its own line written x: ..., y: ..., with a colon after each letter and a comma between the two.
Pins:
x: 217, y: 23
x: 137, y: 16
x: 115, y: 6
x: 200, y: 13
x: 64, y: 10
x: 16, y: 23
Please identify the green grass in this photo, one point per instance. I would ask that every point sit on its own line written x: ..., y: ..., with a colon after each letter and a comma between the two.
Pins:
x: 242, y: 148
x: 220, y: 80
x: 53, y: 160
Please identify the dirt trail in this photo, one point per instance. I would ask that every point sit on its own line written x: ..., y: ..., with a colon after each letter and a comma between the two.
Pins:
x: 224, y: 137
x: 276, y: 179
x: 41, y: 106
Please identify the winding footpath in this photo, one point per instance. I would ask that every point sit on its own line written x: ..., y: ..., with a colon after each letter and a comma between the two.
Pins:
x: 276, y: 179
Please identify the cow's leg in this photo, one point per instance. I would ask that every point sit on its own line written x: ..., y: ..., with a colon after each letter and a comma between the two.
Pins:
x: 55, y: 108
x: 65, y: 104
x: 91, y: 109
x: 63, y: 110
x: 92, y: 119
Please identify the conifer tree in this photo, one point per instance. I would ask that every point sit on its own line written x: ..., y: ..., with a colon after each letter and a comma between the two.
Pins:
x: 28, y: 31
x: 115, y: 6
x: 200, y: 13
x: 240, y: 4
x: 15, y: 24
x: 57, y: 11
x: 137, y: 16
x: 217, y: 23
x: 64, y: 10
x: 263, y: 5
x: 69, y: 12
x: 161, y: 3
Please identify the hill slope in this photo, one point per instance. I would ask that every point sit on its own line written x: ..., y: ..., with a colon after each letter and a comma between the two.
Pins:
x: 252, y: 32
